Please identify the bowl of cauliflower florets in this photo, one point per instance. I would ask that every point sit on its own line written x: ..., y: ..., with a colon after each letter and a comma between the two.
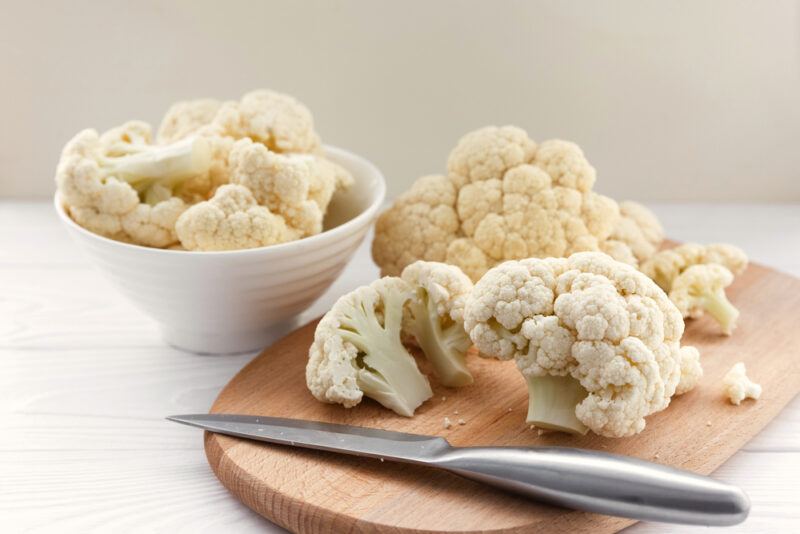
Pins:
x: 224, y: 225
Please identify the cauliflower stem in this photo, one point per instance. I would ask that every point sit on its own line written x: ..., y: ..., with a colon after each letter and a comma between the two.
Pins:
x: 552, y: 401
x: 386, y: 371
x: 443, y: 341
x: 720, y: 308
x: 156, y: 171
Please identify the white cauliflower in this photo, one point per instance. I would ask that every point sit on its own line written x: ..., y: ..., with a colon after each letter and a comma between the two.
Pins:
x: 738, y: 386
x: 504, y: 198
x: 597, y: 341
x: 695, y: 276
x: 701, y: 288
x: 665, y: 266
x: 231, y: 220
x: 636, y: 236
x: 186, y: 118
x: 436, y: 318
x: 357, y: 351
x: 295, y: 186
x: 121, y: 186
x: 358, y: 347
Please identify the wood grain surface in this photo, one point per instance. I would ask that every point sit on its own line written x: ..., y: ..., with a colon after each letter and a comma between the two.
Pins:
x: 315, y: 492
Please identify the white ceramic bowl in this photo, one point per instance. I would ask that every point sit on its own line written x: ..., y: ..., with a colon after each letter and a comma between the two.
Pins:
x: 235, y: 301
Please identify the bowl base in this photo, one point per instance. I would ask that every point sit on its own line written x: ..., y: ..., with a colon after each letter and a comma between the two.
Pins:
x: 218, y: 343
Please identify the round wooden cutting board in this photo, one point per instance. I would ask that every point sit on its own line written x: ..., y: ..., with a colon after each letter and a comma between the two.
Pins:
x: 316, y: 492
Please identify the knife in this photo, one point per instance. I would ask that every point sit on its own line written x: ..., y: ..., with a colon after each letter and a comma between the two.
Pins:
x: 581, y: 479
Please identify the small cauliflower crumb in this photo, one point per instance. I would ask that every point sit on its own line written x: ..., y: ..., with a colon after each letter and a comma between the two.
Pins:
x: 444, y: 399
x: 462, y: 422
x: 455, y: 412
x: 738, y: 386
x: 447, y: 422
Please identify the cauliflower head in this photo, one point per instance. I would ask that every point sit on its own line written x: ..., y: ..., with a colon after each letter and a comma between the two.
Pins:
x: 231, y: 220
x: 435, y: 317
x: 121, y: 186
x: 504, y: 197
x: 597, y: 341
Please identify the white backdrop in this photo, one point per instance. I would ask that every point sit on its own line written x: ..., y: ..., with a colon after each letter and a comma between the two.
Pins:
x: 679, y: 100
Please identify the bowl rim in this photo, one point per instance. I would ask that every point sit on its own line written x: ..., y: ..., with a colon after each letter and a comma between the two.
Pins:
x: 365, y: 217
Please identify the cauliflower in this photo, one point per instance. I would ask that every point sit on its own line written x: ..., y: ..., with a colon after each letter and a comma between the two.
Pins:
x: 121, y: 186
x: 701, y: 288
x: 231, y: 220
x: 436, y: 318
x: 738, y: 386
x: 503, y: 198
x: 296, y: 186
x: 695, y: 277
x: 358, y: 347
x: 357, y: 351
x: 184, y: 119
x: 665, y: 266
x: 597, y: 341
x: 636, y: 236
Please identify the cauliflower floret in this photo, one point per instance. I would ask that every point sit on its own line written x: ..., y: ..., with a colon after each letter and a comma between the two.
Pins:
x: 637, y: 230
x: 231, y: 220
x: 565, y: 163
x: 665, y: 266
x: 436, y: 318
x: 489, y: 152
x: 295, y: 186
x: 357, y: 351
x: 187, y: 118
x: 597, y: 341
x: 701, y: 288
x: 121, y: 186
x: 279, y: 121
x: 738, y: 386
x: 502, y: 199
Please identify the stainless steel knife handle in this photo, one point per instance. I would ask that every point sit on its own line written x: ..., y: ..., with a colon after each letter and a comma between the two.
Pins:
x: 602, y: 483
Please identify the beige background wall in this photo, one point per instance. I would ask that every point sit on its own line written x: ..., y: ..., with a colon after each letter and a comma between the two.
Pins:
x: 688, y: 100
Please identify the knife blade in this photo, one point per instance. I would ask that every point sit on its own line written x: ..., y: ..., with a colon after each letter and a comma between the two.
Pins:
x: 581, y: 479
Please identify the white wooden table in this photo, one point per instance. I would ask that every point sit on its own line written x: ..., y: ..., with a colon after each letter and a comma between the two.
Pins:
x: 85, y: 383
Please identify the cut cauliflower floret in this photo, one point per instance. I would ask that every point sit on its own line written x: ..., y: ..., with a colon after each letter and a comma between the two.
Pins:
x: 357, y: 351
x: 738, y: 386
x: 295, y: 186
x: 665, y: 266
x: 597, y: 341
x: 503, y: 198
x: 436, y: 318
x: 231, y: 220
x: 695, y: 277
x: 701, y: 288
x: 121, y: 186
x: 358, y: 348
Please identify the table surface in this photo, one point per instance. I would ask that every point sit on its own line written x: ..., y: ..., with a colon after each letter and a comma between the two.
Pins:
x: 85, y: 383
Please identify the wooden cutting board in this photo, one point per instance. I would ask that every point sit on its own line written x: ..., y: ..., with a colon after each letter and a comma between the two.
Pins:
x: 316, y: 492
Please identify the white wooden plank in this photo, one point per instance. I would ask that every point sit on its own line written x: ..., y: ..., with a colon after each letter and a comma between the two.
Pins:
x: 118, y: 491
